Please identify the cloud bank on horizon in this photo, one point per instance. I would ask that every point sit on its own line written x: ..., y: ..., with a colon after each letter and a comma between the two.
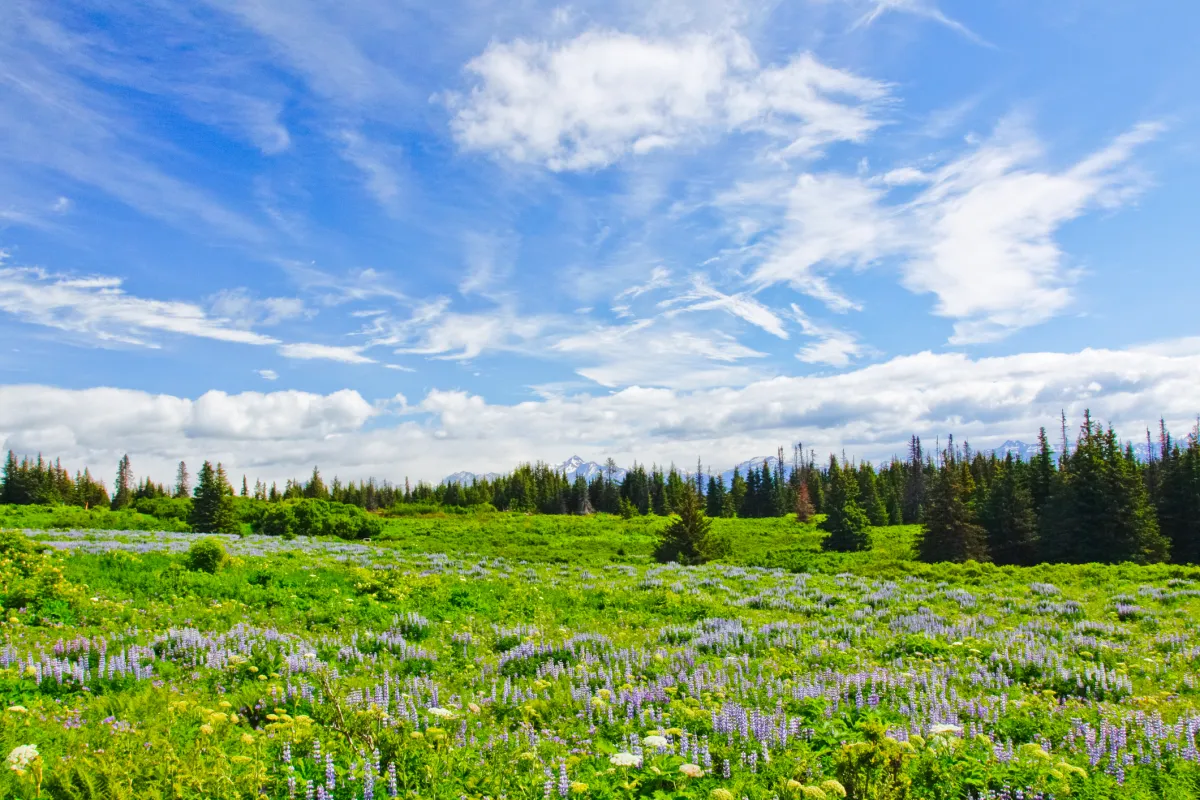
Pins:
x: 416, y: 241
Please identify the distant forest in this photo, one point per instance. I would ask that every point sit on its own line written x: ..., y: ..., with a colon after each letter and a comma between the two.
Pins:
x: 1086, y: 501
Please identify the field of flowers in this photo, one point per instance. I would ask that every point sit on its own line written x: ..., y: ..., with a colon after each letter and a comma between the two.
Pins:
x: 303, y: 669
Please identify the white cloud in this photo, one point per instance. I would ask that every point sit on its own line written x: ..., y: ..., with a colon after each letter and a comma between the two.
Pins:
x: 97, y: 309
x: 307, y: 351
x: 920, y: 8
x: 604, y: 95
x: 377, y: 164
x: 645, y: 353
x: 833, y: 347
x: 979, y: 235
x: 704, y: 297
x: 268, y: 374
x: 870, y: 411
x: 244, y: 310
x: 433, y: 330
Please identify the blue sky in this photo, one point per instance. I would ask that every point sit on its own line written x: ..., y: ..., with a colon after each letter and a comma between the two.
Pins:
x: 403, y: 239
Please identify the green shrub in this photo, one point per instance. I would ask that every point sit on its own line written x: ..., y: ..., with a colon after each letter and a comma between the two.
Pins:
x: 206, y: 555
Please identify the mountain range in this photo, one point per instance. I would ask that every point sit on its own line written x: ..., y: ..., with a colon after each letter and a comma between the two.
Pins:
x: 576, y: 466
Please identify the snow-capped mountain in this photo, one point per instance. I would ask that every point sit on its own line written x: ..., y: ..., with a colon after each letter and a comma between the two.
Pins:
x: 573, y: 466
x: 467, y: 478
x: 1025, y: 451
x: 577, y: 467
x: 755, y: 463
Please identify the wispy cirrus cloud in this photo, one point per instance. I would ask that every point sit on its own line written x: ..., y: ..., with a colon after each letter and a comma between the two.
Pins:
x: 978, y: 235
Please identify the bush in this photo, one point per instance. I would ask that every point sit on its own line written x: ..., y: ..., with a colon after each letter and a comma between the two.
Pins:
x: 311, y: 517
x: 206, y: 555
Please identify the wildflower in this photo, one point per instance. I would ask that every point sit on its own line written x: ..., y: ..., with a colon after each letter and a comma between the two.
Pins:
x: 206, y: 729
x: 18, y: 709
x: 578, y: 787
x: 625, y: 760
x: 721, y: 794
x: 833, y: 787
x: 474, y: 708
x: 441, y: 713
x: 793, y: 784
x: 812, y: 793
x: 691, y: 770
x: 655, y: 741
x: 22, y: 757
x: 247, y: 739
x: 942, y: 728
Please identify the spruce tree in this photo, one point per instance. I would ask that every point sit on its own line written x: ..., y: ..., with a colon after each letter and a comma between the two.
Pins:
x: 949, y: 531
x: 212, y: 509
x: 868, y: 492
x: 183, y: 484
x: 689, y: 538
x: 1179, y: 501
x: 123, y: 488
x: 1008, y: 516
x: 714, y: 498
x: 737, y: 493
x: 845, y: 520
x: 1098, y: 509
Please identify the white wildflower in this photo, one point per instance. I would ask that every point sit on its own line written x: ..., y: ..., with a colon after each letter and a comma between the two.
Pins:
x: 943, y: 728
x: 655, y: 740
x: 691, y: 770
x: 22, y: 756
x: 625, y: 760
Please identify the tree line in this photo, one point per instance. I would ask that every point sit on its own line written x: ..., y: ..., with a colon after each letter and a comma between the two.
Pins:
x: 1092, y: 500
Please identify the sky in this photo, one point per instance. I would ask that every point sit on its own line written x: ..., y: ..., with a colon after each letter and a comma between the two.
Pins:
x: 403, y: 239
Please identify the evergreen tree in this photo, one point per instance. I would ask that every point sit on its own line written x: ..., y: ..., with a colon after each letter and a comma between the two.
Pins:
x: 1008, y: 515
x: 737, y: 492
x: 183, y: 484
x: 315, y: 487
x: 714, y: 498
x: 1041, y: 474
x: 914, y: 487
x: 816, y: 489
x: 1179, y: 500
x: 689, y: 538
x: 949, y: 532
x: 123, y: 488
x: 1098, y: 509
x: 845, y: 519
x: 869, y: 496
x: 212, y: 509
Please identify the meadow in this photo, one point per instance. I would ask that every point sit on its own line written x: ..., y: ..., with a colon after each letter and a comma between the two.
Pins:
x: 532, y: 657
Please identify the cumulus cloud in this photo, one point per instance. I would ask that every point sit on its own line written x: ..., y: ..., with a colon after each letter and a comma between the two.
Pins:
x: 604, y: 95
x: 869, y: 411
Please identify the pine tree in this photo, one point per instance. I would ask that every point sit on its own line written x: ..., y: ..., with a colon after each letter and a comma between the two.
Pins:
x: 845, y: 519
x: 1179, y: 501
x: 714, y: 498
x: 183, y: 484
x: 949, y: 532
x: 869, y: 497
x: 914, y: 486
x: 1041, y: 474
x: 689, y: 539
x: 737, y: 493
x: 1098, y: 509
x: 1008, y: 515
x: 212, y: 510
x: 123, y: 488
x: 315, y: 488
